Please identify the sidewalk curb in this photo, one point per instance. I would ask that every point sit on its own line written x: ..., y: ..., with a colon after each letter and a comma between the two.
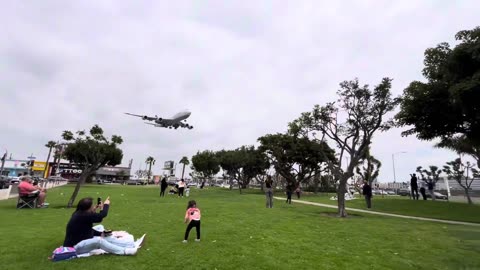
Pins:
x: 386, y: 214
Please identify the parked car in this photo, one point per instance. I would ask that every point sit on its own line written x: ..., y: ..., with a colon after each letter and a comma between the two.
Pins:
x: 14, y: 180
x: 135, y: 182
x: 103, y: 181
x: 438, y: 195
x: 4, y: 182
x: 404, y: 192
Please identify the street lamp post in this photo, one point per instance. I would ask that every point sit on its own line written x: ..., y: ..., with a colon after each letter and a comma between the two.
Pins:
x: 393, y: 162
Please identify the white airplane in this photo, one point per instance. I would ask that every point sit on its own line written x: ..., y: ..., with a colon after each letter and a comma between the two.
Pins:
x: 174, y: 122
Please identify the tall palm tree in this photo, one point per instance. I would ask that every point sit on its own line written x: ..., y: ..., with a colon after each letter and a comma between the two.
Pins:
x: 150, y: 161
x: 49, y: 145
x: 185, y: 162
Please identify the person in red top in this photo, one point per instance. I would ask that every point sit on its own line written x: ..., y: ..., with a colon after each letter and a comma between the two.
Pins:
x: 193, y: 217
x: 26, y: 188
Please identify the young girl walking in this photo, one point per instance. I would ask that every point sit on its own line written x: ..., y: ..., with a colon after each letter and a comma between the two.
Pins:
x: 193, y: 217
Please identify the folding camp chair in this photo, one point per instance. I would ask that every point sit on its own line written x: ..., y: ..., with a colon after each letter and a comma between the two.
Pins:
x: 28, y: 201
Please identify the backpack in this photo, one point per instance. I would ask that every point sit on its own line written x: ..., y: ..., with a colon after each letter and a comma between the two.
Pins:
x: 63, y: 253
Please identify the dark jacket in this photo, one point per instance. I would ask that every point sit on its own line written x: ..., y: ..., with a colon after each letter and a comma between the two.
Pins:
x: 79, y: 227
x: 367, y: 190
x: 164, y: 184
x: 413, y: 182
x: 290, y: 187
x: 430, y: 185
x: 268, y: 183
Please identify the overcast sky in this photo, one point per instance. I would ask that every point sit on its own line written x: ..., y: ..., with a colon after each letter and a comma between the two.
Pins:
x: 243, y: 68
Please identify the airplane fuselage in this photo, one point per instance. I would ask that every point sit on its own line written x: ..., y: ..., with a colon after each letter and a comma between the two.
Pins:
x: 174, y: 122
x: 176, y: 118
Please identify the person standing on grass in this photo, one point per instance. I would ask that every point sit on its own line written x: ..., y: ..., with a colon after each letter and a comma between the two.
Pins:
x: 289, y: 191
x: 269, y: 191
x: 414, y: 186
x: 367, y: 192
x: 424, y: 194
x: 192, y: 216
x: 431, y: 187
x: 298, y: 191
x: 181, y: 188
x: 163, y: 186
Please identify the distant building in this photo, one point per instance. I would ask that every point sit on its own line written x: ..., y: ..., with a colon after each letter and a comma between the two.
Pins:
x: 73, y: 171
x: 13, y: 167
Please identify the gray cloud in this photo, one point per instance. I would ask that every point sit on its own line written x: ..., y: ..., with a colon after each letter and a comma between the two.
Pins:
x: 244, y: 69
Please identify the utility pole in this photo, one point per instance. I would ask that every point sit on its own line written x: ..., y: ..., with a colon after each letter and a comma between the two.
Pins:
x: 393, y: 162
x: 3, y: 162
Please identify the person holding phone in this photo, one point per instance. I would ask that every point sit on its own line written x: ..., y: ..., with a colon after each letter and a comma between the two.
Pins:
x: 79, y: 233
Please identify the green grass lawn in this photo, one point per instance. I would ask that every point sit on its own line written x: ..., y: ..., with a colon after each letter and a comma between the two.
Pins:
x: 238, y: 232
x: 439, y: 209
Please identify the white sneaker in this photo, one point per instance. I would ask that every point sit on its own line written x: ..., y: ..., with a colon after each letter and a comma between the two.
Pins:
x: 139, y: 242
x: 197, y: 240
x: 131, y: 251
x: 184, y: 241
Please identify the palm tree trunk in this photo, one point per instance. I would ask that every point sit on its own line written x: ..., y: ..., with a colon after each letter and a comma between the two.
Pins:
x: 45, y: 172
x: 149, y: 171
x: 183, y: 170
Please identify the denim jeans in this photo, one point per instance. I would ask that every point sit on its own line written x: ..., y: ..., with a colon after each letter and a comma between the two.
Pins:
x: 269, y: 197
x: 88, y: 245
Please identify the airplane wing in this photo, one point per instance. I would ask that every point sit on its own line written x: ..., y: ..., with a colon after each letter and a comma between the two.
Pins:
x: 155, y: 125
x: 144, y: 117
x: 184, y: 125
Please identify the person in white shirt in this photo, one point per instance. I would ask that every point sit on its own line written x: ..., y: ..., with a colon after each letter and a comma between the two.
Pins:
x: 181, y: 188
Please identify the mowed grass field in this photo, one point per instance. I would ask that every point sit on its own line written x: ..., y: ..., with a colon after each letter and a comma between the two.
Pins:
x: 238, y: 232
x: 403, y: 205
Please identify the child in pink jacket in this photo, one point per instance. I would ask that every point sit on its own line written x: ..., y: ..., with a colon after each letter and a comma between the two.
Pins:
x: 193, y: 217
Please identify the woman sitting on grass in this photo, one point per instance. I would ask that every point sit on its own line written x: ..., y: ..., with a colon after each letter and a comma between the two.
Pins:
x: 80, y: 235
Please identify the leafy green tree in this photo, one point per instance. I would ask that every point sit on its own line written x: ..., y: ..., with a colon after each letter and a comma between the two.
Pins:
x: 141, y: 173
x: 50, y: 145
x: 370, y: 170
x: 243, y: 164
x: 446, y: 107
x: 90, y: 152
x: 432, y: 174
x: 149, y: 161
x: 205, y: 164
x: 230, y: 162
x: 185, y: 162
x: 350, y: 123
x: 456, y: 170
x: 295, y: 159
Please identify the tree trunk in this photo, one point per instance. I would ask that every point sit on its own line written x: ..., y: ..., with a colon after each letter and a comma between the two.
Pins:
x: 315, y: 183
x: 183, y: 170
x: 80, y: 182
x: 467, y: 193
x: 342, y: 189
x: 46, y: 164
x: 231, y: 183
x: 149, y: 172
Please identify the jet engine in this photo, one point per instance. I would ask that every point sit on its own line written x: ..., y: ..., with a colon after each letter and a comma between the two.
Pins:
x: 144, y: 117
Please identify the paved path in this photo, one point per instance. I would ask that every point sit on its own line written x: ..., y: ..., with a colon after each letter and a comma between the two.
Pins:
x: 385, y: 214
